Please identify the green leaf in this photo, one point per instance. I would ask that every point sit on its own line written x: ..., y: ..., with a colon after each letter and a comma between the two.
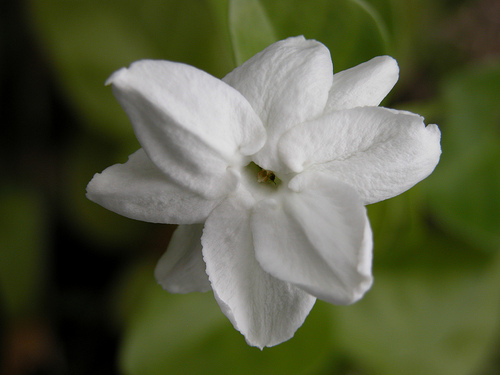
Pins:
x: 188, y: 334
x: 433, y: 308
x: 415, y: 321
x: 465, y: 188
x: 250, y: 29
x: 88, y: 40
x: 407, y: 25
x: 352, y: 30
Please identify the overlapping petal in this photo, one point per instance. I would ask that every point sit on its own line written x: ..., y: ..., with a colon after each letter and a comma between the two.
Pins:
x: 378, y: 151
x: 139, y: 190
x: 192, y: 125
x: 316, y: 237
x: 286, y: 84
x: 267, y: 311
x: 366, y: 84
x: 182, y: 269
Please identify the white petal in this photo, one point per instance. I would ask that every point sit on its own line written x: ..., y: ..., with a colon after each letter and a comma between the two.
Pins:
x: 379, y: 152
x: 182, y: 269
x: 366, y: 84
x: 318, y: 238
x: 286, y: 84
x: 265, y: 310
x: 192, y: 125
x: 139, y: 190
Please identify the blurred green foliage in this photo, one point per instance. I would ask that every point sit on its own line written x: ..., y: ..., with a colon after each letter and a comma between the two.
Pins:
x: 23, y: 245
x: 435, y: 303
x: 465, y: 191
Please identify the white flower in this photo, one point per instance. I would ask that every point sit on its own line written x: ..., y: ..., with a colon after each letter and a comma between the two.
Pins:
x: 320, y: 147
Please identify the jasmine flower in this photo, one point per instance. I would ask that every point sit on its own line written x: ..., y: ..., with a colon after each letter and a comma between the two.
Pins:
x: 267, y: 172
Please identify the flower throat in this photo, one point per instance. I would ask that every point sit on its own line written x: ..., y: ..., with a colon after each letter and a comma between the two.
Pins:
x: 264, y: 175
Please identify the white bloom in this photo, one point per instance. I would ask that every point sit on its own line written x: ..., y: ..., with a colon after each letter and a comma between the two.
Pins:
x: 269, y: 248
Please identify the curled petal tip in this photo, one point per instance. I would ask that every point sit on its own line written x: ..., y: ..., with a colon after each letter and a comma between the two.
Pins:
x: 386, y: 59
x: 114, y: 76
x: 359, y: 292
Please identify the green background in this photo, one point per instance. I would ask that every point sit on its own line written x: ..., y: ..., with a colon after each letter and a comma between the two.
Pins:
x: 77, y: 293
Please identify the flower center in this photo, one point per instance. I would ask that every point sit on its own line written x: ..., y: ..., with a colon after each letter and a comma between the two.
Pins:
x: 260, y: 182
x: 263, y: 176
